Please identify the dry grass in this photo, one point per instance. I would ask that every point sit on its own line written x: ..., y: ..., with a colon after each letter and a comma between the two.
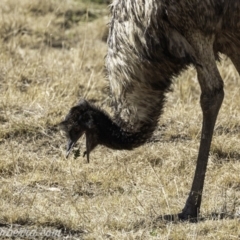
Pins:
x: 51, y: 55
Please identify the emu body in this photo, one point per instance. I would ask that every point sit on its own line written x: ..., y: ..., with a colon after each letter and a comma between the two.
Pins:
x: 149, y: 43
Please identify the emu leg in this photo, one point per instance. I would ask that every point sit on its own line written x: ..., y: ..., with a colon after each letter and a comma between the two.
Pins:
x: 211, y: 99
x: 210, y: 104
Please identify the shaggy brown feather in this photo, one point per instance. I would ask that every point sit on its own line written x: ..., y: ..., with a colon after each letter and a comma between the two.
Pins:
x: 149, y: 43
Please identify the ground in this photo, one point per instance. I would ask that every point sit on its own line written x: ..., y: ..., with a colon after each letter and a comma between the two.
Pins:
x: 52, y: 55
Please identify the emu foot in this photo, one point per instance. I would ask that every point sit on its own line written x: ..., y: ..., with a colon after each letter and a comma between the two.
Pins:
x: 185, y: 216
x: 189, y: 213
x: 180, y: 217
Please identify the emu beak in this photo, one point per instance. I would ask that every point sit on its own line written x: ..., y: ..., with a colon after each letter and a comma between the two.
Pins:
x: 70, y: 146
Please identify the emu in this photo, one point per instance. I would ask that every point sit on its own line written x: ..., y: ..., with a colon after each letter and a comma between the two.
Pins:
x: 149, y: 43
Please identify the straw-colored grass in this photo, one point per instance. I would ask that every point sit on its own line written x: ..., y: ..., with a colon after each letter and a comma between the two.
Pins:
x: 51, y: 55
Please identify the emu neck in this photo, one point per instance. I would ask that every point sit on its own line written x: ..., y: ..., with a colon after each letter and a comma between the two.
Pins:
x: 112, y: 134
x: 117, y: 138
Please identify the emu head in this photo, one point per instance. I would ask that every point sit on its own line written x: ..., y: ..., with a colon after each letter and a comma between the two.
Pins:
x: 78, y: 121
